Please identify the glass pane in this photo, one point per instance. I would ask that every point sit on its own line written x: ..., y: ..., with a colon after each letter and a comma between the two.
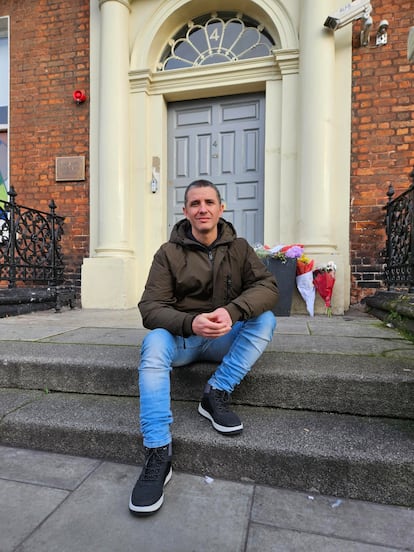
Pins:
x: 232, y: 32
x: 257, y: 51
x: 3, y: 114
x: 214, y: 31
x: 185, y: 50
x: 174, y: 63
x: 3, y: 157
x: 198, y: 38
x: 215, y: 58
x: 4, y: 79
x: 247, y: 40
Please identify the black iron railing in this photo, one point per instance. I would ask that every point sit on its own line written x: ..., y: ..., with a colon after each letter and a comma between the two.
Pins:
x: 30, y: 248
x: 399, y: 263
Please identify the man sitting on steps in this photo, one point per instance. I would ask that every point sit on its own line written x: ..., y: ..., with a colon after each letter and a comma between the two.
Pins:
x: 208, y: 297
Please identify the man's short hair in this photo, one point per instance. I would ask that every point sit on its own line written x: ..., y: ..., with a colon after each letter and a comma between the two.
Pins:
x: 201, y: 184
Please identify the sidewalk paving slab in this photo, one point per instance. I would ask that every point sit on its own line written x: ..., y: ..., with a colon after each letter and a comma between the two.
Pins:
x: 88, y: 511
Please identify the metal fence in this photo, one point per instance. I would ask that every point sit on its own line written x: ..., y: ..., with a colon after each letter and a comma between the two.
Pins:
x: 399, y: 261
x: 30, y: 250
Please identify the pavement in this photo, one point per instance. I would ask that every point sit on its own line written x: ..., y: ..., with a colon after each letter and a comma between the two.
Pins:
x: 51, y: 502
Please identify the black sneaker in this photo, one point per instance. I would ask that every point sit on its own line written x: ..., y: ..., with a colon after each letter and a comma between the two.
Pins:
x: 215, y: 407
x: 148, y: 494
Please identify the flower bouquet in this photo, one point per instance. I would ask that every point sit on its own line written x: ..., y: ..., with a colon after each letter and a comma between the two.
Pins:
x: 281, y: 262
x: 281, y: 252
x: 309, y: 280
x: 304, y: 281
x: 324, y: 281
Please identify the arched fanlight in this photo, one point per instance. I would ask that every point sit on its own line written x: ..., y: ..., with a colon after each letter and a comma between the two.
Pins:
x: 216, y: 38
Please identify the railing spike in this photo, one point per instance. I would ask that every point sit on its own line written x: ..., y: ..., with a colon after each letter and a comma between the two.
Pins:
x: 390, y: 192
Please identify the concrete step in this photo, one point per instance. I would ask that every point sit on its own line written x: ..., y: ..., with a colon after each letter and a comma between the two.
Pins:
x: 369, y: 385
x: 17, y: 301
x: 367, y: 458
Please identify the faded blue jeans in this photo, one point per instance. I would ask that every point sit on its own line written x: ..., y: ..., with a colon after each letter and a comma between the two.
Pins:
x: 161, y: 351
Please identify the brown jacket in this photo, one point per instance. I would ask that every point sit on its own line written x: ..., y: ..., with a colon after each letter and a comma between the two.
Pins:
x: 188, y: 278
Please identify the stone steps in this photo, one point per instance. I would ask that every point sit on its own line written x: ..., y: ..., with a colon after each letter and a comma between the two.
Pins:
x: 328, y: 408
x: 368, y: 458
x: 367, y: 385
x: 394, y: 308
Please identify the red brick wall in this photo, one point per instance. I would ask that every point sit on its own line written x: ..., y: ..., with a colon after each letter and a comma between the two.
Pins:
x: 382, y: 138
x: 49, y: 59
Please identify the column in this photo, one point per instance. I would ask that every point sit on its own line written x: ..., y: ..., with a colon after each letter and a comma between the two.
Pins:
x: 316, y: 120
x: 288, y: 62
x: 113, y: 224
x: 109, y: 275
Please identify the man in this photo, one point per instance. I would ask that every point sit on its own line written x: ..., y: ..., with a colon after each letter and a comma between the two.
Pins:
x: 208, y: 297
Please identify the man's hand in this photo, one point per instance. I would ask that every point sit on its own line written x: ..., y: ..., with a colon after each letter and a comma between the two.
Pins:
x: 212, y: 324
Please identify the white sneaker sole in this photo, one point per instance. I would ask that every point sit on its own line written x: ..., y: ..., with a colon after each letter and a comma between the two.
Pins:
x: 151, y: 508
x: 225, y: 430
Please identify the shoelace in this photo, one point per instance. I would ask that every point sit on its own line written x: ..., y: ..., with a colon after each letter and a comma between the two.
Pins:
x: 153, y: 465
x: 222, y: 400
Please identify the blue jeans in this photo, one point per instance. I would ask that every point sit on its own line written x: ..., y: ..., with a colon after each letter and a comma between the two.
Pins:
x: 236, y: 352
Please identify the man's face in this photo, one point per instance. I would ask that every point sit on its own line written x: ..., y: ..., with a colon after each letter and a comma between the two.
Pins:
x: 203, y: 211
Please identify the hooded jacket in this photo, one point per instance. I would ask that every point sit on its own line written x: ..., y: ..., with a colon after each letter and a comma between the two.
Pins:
x: 188, y: 278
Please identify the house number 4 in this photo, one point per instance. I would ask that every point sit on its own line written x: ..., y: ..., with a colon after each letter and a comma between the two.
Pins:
x: 214, y: 35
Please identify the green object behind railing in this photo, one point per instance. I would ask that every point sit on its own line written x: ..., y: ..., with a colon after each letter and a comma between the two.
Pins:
x: 4, y: 196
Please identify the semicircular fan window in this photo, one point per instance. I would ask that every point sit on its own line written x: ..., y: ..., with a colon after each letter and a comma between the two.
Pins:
x: 216, y: 38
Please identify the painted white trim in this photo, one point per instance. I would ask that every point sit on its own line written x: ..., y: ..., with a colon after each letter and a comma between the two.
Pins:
x: 206, y: 81
x: 123, y: 2
x: 172, y: 14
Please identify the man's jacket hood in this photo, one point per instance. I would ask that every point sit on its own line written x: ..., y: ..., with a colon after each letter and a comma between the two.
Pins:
x: 181, y: 233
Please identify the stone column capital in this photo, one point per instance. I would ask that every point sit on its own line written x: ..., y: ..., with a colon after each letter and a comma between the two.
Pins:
x: 288, y: 60
x: 123, y: 2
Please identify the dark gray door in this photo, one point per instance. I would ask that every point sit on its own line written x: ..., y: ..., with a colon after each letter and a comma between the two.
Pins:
x: 221, y: 140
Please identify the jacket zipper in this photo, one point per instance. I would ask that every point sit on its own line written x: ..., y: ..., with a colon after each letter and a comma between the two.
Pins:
x: 228, y: 287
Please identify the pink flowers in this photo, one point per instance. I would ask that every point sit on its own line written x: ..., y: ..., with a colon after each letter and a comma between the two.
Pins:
x: 281, y: 252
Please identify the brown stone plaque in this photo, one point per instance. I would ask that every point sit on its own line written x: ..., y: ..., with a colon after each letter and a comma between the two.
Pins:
x: 70, y: 168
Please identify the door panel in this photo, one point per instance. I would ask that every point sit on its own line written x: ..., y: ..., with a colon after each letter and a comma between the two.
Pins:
x: 221, y: 140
